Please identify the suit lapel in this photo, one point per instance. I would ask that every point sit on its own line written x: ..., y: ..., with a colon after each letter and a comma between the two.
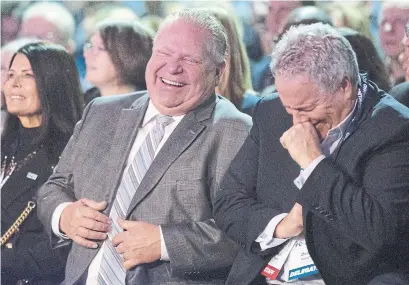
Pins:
x: 127, y: 128
x: 185, y: 133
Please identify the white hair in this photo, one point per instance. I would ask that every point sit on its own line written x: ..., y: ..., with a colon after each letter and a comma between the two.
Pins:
x: 55, y: 13
x: 216, y: 43
x: 318, y: 51
x: 16, y: 44
x: 395, y: 3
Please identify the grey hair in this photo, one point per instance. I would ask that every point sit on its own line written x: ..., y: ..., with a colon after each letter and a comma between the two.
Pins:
x: 216, y: 43
x: 55, y: 13
x: 318, y: 51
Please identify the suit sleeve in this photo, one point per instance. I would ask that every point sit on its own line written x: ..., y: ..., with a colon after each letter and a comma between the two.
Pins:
x: 201, y: 248
x: 60, y: 186
x: 374, y: 215
x: 237, y: 209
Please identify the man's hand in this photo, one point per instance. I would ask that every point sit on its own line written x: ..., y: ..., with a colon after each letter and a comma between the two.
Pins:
x: 302, y: 143
x: 82, y: 222
x: 139, y: 243
x: 291, y: 225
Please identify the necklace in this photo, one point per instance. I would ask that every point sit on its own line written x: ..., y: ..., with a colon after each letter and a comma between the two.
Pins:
x: 8, y: 169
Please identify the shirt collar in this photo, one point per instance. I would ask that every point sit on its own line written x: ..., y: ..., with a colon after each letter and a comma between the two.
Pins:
x: 152, y: 112
x: 340, y: 129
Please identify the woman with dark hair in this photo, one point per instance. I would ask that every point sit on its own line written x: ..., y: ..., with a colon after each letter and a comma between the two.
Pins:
x: 368, y: 57
x: 43, y: 99
x: 116, y: 57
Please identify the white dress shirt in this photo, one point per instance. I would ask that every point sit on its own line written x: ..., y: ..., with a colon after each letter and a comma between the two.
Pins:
x: 266, y: 239
x: 147, y: 125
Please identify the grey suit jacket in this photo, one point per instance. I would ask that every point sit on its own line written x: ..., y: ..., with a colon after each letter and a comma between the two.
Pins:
x: 176, y: 192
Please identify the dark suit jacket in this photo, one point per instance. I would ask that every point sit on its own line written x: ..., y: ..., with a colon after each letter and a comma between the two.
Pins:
x: 176, y: 192
x: 355, y: 203
x: 31, y: 256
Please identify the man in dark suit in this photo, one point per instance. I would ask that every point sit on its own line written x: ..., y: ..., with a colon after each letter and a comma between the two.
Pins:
x: 334, y: 172
x: 135, y: 185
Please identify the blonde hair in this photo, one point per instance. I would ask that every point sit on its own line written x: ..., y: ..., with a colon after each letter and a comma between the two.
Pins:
x: 236, y: 79
x: 355, y: 15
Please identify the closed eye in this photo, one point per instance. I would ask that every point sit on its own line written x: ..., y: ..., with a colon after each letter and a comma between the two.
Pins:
x: 162, y: 53
x: 192, y: 60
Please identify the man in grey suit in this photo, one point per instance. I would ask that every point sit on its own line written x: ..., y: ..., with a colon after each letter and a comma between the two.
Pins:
x: 133, y: 190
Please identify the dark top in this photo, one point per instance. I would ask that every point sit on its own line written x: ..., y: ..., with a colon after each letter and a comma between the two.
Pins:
x: 401, y: 93
x: 28, y: 254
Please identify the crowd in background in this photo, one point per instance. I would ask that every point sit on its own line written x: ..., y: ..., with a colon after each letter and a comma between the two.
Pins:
x: 57, y: 56
x: 259, y: 25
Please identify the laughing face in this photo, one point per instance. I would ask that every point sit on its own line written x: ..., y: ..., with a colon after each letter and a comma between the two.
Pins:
x: 20, y: 89
x: 181, y: 73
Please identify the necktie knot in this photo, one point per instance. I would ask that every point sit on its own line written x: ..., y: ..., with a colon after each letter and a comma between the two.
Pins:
x: 164, y: 120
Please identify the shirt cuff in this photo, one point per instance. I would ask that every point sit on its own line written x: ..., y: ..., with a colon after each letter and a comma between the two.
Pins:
x: 164, y: 256
x: 55, y: 220
x: 266, y: 239
x: 305, y: 173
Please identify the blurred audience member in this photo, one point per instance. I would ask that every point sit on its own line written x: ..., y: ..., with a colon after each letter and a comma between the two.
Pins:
x: 354, y: 15
x: 11, y: 12
x: 95, y: 12
x: 116, y: 57
x: 404, y: 56
x: 235, y: 83
x: 401, y: 91
x: 102, y: 11
x: 368, y: 58
x: 394, y: 16
x: 305, y: 15
x: 299, y: 16
x: 49, y: 21
x: 277, y: 13
x: 42, y: 95
x: 259, y: 62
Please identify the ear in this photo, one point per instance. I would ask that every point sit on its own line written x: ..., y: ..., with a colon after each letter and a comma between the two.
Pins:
x: 348, y: 88
x: 219, y: 72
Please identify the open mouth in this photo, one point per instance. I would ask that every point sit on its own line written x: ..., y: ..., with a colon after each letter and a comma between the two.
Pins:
x: 172, y: 83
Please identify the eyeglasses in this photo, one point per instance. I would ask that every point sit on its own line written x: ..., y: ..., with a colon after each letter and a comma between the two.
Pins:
x: 94, y: 49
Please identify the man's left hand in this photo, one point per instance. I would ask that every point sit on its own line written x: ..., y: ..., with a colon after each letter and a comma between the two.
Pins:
x: 302, y: 143
x: 138, y: 244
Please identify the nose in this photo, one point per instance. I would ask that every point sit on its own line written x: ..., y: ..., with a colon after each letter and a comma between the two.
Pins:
x: 298, y: 118
x: 174, y: 66
x: 87, y: 52
x: 16, y: 81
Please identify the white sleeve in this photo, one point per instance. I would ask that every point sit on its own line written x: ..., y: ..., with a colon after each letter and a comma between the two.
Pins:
x: 300, y: 180
x: 266, y: 238
x: 55, y: 220
x: 164, y: 256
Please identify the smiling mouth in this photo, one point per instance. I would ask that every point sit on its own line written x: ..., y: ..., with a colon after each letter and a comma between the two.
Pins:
x: 17, y: 97
x: 172, y: 83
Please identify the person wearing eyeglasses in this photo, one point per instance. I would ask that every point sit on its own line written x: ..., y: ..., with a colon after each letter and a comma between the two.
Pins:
x: 394, y: 16
x: 116, y: 56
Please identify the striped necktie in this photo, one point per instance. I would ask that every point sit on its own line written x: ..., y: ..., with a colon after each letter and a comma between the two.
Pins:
x: 112, y: 271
